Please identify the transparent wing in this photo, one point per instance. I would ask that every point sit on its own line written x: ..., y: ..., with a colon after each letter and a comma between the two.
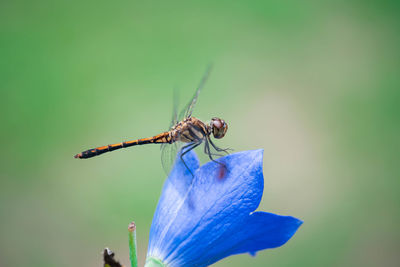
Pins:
x: 175, y: 104
x: 168, y: 151
x: 168, y: 155
x: 188, y: 109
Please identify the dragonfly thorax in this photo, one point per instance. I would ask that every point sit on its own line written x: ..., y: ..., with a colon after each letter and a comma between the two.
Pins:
x: 218, y: 127
x: 190, y: 130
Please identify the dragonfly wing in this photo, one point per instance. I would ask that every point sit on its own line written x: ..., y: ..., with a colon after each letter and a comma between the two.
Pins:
x: 174, y: 119
x: 168, y: 155
x: 168, y: 151
x: 188, y: 110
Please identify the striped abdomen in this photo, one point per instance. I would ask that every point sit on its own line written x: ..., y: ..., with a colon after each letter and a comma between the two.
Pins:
x: 161, y: 138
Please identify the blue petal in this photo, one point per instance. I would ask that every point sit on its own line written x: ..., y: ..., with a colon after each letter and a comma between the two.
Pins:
x: 261, y: 230
x: 203, y: 219
x: 174, y: 191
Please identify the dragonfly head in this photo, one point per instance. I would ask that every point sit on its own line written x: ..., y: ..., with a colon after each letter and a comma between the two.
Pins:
x: 218, y: 127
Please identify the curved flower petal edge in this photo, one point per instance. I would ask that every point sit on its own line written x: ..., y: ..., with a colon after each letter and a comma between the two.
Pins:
x: 202, y: 219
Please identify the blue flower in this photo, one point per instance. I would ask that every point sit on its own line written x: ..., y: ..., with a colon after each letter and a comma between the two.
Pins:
x: 202, y: 219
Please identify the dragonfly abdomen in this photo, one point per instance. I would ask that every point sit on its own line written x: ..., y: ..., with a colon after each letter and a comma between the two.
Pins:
x: 161, y: 138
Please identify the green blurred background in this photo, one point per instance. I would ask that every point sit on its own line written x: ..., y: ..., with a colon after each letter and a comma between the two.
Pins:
x: 314, y: 83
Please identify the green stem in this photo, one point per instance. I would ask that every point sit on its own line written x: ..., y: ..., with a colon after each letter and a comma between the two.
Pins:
x: 132, y: 244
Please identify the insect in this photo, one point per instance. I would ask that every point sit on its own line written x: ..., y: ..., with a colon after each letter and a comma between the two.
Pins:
x: 185, y: 130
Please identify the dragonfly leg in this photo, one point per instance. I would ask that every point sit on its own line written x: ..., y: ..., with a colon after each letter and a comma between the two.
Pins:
x: 207, y: 150
x: 218, y: 148
x: 187, y: 148
x: 224, y: 169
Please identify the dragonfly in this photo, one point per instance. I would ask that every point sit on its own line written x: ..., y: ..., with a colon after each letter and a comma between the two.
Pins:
x: 186, y: 133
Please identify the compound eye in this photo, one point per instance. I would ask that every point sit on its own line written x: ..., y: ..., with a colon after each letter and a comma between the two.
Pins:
x: 219, y: 127
x: 217, y: 124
